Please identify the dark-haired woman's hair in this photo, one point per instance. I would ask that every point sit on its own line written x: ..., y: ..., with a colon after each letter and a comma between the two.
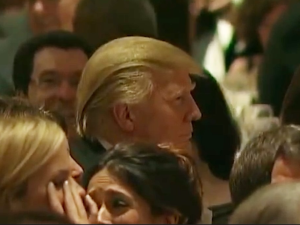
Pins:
x: 167, y: 181
x: 216, y: 134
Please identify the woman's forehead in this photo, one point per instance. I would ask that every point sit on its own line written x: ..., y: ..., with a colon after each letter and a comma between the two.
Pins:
x: 103, y: 182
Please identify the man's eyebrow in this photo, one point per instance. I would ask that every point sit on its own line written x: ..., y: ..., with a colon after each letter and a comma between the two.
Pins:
x: 48, y: 73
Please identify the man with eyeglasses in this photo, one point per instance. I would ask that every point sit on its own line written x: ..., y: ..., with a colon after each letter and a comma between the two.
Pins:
x: 47, y: 69
x: 23, y: 19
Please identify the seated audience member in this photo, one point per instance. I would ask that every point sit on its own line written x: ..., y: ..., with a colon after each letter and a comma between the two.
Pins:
x: 99, y: 22
x: 35, y: 164
x: 271, y: 157
x: 34, y: 217
x: 217, y: 138
x: 254, y: 21
x: 37, y: 17
x: 143, y: 183
x: 47, y: 70
x: 136, y: 89
x: 281, y: 59
x: 273, y: 204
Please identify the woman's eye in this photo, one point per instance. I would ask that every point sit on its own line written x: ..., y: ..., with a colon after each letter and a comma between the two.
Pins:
x: 118, y: 203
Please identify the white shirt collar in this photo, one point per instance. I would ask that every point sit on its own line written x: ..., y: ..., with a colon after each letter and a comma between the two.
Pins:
x: 105, y: 144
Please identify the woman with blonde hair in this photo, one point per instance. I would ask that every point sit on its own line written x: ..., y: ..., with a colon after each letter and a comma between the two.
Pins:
x: 35, y: 164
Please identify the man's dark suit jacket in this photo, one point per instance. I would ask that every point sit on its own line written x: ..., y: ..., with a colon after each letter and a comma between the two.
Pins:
x: 87, y: 153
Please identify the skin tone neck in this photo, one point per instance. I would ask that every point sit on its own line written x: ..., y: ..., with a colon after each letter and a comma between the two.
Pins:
x: 111, y: 127
x: 212, y: 185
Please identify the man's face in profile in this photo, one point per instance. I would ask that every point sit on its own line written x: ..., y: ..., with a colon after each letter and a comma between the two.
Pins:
x: 167, y: 115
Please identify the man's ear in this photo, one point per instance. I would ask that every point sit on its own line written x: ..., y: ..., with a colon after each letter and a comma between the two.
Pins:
x: 123, y: 117
x: 285, y: 170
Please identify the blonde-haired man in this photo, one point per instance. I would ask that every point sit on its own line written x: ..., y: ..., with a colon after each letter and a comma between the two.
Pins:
x: 137, y: 89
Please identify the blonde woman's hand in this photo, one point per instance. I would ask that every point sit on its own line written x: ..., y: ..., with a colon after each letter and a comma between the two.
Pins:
x: 74, y: 206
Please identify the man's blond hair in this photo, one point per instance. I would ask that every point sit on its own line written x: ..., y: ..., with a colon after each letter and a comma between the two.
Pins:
x: 121, y: 71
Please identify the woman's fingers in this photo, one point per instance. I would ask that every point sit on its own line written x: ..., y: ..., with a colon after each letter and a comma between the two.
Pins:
x: 69, y: 203
x: 77, y: 199
x: 73, y: 206
x: 92, y: 208
x: 53, y: 199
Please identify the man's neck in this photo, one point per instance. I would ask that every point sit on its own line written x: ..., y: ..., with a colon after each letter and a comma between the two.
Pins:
x: 111, y: 137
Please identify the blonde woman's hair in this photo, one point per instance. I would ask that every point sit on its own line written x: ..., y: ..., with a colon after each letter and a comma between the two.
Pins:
x: 29, y: 138
x: 121, y: 72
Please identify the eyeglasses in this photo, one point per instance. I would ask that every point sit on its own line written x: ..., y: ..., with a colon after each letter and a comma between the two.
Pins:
x: 53, y: 83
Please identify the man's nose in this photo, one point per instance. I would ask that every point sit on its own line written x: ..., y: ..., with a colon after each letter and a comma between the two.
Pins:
x: 66, y: 92
x: 195, y: 113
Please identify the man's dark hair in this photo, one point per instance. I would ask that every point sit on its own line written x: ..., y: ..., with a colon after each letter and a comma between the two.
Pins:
x: 166, y: 181
x: 254, y: 164
x: 273, y: 204
x: 34, y: 217
x: 24, y: 59
x: 101, y: 21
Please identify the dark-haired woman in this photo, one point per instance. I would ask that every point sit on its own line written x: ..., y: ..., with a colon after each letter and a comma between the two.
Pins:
x: 144, y: 183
